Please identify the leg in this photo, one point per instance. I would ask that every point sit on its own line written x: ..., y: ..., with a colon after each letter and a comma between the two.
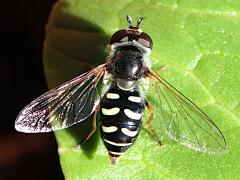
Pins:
x: 94, y: 125
x: 149, y: 124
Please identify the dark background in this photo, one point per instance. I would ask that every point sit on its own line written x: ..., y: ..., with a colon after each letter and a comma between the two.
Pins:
x: 24, y: 156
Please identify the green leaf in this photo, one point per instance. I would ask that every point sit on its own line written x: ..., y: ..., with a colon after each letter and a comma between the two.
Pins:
x: 198, y: 42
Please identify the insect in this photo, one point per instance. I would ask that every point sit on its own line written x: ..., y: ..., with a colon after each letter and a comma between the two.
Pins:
x: 121, y: 109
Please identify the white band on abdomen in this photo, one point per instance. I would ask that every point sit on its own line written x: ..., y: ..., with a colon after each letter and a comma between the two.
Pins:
x: 132, y: 115
x: 135, y: 99
x: 113, y: 96
x: 117, y: 144
x: 109, y: 129
x: 129, y: 133
x: 110, y: 112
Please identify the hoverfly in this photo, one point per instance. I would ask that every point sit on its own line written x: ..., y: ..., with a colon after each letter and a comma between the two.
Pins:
x: 121, y: 109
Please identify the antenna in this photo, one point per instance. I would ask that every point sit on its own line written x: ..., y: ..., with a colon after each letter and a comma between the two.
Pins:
x: 140, y: 20
x: 129, y: 19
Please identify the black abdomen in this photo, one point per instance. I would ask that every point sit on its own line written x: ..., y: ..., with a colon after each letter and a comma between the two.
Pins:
x: 121, y: 114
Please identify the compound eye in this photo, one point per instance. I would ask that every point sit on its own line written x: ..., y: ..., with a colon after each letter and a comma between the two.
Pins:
x: 119, y: 36
x: 145, y: 40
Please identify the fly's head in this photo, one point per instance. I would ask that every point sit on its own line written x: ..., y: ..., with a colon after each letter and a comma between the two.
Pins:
x: 129, y: 48
x: 132, y: 34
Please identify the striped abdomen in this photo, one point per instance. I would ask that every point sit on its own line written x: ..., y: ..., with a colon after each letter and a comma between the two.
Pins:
x: 121, y: 114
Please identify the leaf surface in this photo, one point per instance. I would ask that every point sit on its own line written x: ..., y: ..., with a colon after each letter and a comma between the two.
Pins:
x: 197, y: 41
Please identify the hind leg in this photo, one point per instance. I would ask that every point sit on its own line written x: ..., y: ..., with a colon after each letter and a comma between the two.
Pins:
x: 149, y: 123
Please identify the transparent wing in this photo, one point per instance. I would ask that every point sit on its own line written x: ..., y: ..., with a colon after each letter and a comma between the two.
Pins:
x: 63, y: 106
x: 184, y: 121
